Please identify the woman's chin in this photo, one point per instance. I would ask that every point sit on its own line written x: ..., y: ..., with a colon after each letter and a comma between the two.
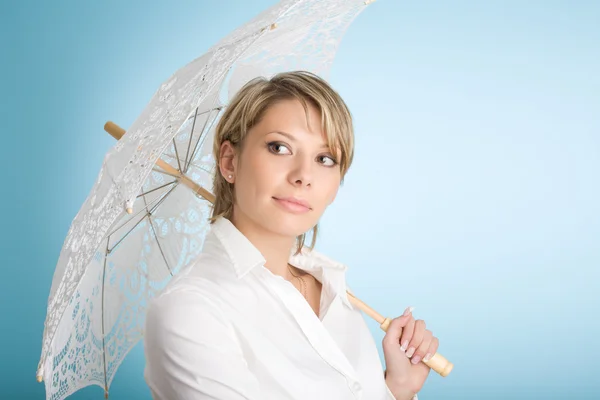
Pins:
x: 291, y: 227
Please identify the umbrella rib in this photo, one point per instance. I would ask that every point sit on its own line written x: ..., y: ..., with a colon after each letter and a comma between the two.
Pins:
x: 156, y: 236
x: 202, y: 135
x: 102, y: 307
x: 176, y: 153
x: 203, y: 168
x: 159, y: 246
x: 197, y: 114
x: 191, y: 163
x: 157, y: 188
x: 191, y: 136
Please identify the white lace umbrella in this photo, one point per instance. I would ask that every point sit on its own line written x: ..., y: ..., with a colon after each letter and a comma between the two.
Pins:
x: 141, y: 222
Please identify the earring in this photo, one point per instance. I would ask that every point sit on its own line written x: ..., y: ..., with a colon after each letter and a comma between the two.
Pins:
x: 229, y: 176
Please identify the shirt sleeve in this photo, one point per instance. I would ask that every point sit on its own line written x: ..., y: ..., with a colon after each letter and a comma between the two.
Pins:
x: 192, y: 352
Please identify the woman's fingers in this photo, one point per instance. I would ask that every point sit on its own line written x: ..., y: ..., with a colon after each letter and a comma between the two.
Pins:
x: 417, y: 342
x: 432, y: 349
x: 398, y: 328
x: 409, y: 328
x: 422, y: 348
x: 417, y: 337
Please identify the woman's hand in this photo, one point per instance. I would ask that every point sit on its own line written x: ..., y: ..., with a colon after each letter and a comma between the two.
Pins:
x: 405, y: 344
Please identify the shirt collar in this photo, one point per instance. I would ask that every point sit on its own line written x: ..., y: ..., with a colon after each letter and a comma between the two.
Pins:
x: 242, y: 254
x: 244, y: 257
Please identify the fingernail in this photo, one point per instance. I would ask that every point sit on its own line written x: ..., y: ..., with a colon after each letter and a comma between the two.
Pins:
x: 415, y: 359
x: 404, y: 345
x: 427, y: 357
x: 410, y: 352
x: 408, y: 311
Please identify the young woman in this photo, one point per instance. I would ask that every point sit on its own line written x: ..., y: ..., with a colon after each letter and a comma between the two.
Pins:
x: 259, y: 315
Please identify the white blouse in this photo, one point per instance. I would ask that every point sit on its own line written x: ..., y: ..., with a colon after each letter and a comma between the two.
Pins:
x: 227, y: 328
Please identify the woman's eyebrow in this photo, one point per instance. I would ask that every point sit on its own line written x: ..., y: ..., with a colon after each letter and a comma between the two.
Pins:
x: 293, y: 139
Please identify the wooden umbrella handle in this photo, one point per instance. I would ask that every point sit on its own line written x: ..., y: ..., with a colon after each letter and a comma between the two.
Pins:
x: 438, y: 363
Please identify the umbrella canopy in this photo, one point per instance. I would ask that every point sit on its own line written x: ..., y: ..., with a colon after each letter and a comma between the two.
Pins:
x: 139, y: 226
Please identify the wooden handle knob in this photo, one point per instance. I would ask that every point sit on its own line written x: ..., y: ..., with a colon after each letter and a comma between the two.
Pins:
x: 115, y: 130
x: 438, y: 363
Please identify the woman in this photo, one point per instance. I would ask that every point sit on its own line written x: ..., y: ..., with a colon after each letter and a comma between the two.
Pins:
x: 259, y: 315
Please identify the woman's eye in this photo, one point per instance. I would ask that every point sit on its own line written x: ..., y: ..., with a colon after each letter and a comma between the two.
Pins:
x: 278, y: 148
x: 327, y: 161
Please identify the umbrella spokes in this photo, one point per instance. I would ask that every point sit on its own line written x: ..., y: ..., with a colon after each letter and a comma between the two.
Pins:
x: 117, y: 132
x: 140, y: 216
x: 211, y: 117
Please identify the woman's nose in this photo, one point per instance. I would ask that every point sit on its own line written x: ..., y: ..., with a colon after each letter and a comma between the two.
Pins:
x: 302, y: 174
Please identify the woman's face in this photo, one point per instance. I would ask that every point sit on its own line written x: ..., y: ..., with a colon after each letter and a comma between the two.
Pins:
x: 284, y: 161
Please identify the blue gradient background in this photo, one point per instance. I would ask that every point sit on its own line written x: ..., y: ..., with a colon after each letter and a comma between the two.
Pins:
x: 475, y: 194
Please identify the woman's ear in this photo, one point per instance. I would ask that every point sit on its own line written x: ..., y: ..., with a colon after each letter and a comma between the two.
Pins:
x: 227, y: 161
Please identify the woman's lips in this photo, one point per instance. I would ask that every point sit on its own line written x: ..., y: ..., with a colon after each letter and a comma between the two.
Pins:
x: 291, y: 206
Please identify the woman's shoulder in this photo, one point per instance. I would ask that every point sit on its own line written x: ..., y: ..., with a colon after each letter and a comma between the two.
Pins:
x: 187, y: 312
x: 182, y: 295
x: 191, y: 296
x: 197, y: 282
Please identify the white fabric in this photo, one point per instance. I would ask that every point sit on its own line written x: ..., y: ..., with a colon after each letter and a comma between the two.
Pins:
x: 228, y: 328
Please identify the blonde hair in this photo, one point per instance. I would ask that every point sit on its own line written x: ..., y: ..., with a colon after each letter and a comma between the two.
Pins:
x: 250, y: 104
